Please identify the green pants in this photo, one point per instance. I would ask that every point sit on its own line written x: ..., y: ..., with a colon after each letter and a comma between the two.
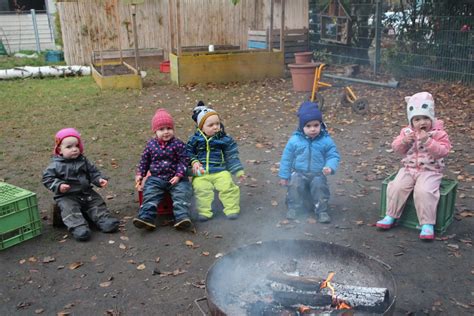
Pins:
x: 229, y: 193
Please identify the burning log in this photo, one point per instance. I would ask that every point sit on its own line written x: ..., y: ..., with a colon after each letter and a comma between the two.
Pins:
x: 361, y: 298
x: 288, y: 298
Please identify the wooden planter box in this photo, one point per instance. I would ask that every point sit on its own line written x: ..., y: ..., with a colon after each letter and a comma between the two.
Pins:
x: 226, y: 66
x: 122, y: 81
x: 296, y: 40
x: 149, y: 57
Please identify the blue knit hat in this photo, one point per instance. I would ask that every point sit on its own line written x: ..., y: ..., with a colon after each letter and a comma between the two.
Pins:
x: 309, y: 111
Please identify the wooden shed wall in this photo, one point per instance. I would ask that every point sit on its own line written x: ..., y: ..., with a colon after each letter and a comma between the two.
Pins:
x: 93, y: 25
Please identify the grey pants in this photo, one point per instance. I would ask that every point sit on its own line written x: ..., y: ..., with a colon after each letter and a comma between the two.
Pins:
x: 308, y: 190
x: 74, y: 206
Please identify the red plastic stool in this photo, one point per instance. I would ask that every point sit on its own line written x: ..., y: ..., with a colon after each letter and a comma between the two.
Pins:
x: 164, y: 208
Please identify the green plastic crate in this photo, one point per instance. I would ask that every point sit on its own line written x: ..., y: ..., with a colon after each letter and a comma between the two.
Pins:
x: 19, y: 216
x: 444, y: 212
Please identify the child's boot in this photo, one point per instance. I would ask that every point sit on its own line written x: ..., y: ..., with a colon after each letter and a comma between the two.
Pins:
x: 291, y: 214
x: 324, y: 218
x: 386, y: 223
x: 183, y: 224
x: 81, y: 233
x: 427, y: 232
x: 108, y: 224
x: 142, y: 223
x: 233, y: 216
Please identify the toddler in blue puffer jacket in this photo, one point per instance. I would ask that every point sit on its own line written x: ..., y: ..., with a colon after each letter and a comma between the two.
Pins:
x: 308, y: 158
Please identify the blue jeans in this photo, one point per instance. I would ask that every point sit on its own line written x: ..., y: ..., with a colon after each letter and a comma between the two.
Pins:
x: 308, y: 190
x: 153, y: 194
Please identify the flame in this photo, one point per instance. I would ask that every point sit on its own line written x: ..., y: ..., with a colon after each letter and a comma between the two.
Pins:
x: 304, y: 309
x: 339, y: 304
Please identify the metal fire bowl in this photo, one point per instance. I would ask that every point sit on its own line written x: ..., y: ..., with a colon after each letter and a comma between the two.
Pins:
x: 239, y: 277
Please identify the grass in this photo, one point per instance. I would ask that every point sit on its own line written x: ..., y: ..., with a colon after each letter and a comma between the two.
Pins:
x: 8, y: 62
x: 33, y: 110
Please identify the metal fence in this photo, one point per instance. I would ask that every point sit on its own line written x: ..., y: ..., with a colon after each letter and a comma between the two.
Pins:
x: 410, y: 41
x: 26, y: 30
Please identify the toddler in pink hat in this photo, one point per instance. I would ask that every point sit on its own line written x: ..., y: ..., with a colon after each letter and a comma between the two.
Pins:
x: 165, y: 159
x: 70, y: 175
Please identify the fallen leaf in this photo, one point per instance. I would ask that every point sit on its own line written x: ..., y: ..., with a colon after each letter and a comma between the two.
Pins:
x: 178, y: 272
x: 105, y: 284
x: 141, y: 267
x: 39, y: 311
x: 311, y: 220
x: 359, y: 223
x: 63, y: 313
x: 124, y: 238
x: 48, y: 259
x: 157, y: 259
x: 274, y: 203
x: 75, y: 265
x: 32, y: 259
x: 22, y: 261
x: 189, y: 243
x: 218, y: 255
x: 94, y: 258
x: 205, y: 253
x: 111, y: 242
x: 122, y: 246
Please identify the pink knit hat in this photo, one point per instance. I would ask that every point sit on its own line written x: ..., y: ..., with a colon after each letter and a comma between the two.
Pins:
x: 66, y: 132
x: 161, y: 119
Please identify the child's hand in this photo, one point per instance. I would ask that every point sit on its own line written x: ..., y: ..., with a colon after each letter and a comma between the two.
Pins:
x: 103, y: 183
x: 175, y: 180
x: 283, y: 182
x: 423, y: 136
x: 408, y: 138
x: 63, y: 188
x: 138, y: 181
x: 327, y: 171
x: 198, y: 170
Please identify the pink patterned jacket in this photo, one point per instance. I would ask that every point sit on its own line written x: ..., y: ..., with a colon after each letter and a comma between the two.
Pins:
x: 424, y: 156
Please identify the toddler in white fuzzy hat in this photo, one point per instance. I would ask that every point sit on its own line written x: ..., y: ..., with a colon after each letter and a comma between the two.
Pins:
x: 424, y: 143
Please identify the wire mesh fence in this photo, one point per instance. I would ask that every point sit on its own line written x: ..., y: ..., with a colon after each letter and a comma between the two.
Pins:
x: 421, y: 39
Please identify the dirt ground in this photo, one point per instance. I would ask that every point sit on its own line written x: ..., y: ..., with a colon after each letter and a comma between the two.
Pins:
x: 135, y: 272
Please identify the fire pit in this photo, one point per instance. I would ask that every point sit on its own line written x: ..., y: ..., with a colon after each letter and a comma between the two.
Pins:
x: 297, y: 277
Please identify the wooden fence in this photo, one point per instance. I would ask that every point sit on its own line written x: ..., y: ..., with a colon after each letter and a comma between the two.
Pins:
x: 99, y: 25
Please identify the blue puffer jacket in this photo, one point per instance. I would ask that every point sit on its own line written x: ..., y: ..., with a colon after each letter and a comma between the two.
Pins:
x: 216, y: 154
x: 303, y: 154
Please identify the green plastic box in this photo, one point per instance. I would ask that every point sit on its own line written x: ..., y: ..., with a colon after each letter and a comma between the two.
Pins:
x: 444, y: 213
x: 19, y: 216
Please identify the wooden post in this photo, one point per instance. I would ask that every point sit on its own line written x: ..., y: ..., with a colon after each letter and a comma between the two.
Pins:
x: 282, y: 30
x: 178, y: 27
x: 270, y: 32
x: 135, y: 36
x: 170, y: 28
x: 117, y: 22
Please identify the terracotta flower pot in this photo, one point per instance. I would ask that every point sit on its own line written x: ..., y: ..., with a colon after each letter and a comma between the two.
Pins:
x: 303, y: 58
x: 302, y: 76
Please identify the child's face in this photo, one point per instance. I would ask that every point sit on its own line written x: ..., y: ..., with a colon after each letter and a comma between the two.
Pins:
x: 312, y: 128
x: 165, y: 133
x: 69, y: 148
x: 421, y: 122
x: 212, y: 125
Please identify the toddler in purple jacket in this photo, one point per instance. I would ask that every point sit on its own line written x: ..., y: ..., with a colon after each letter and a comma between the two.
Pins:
x: 166, y: 159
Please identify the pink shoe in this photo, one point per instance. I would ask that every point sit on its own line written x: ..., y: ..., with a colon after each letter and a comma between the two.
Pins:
x: 427, y: 232
x: 386, y: 223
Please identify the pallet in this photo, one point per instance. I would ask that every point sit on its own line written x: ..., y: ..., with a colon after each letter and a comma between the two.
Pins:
x: 296, y: 40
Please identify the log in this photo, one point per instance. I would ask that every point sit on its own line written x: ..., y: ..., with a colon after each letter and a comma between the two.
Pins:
x: 361, y: 298
x: 44, y: 71
x: 287, y: 298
